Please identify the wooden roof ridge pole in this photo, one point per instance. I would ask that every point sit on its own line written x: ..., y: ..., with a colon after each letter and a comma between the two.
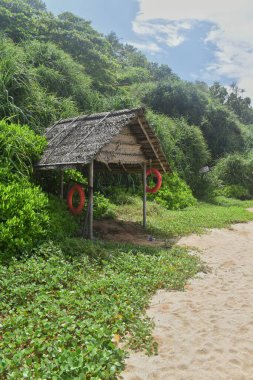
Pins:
x: 151, y: 144
x: 91, y: 130
x: 59, y: 142
x: 54, y: 125
x: 63, y: 130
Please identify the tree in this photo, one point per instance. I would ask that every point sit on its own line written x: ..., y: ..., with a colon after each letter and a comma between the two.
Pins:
x: 222, y: 131
x: 178, y: 98
x: 240, y: 105
x: 184, y: 146
x: 218, y: 92
x: 234, y: 100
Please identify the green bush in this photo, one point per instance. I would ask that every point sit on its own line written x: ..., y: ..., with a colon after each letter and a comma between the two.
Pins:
x: 23, y: 206
x: 234, y: 172
x: 75, y: 175
x: 235, y: 191
x: 19, y: 147
x: 122, y: 196
x: 62, y: 223
x: 102, y: 207
x: 174, y: 194
x: 23, y: 217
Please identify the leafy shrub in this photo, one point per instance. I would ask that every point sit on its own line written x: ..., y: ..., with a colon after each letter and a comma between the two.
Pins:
x: 23, y: 217
x: 75, y: 175
x: 235, y: 191
x: 19, y: 147
x: 102, y: 207
x: 62, y: 223
x: 235, y: 170
x: 205, y: 186
x: 23, y: 214
x: 121, y: 196
x: 174, y: 193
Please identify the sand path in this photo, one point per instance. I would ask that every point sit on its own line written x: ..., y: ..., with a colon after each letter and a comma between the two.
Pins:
x: 206, y: 332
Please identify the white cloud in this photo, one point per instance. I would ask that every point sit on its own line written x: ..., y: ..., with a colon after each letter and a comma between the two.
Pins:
x: 165, y: 33
x: 167, y: 21
x: 149, y: 46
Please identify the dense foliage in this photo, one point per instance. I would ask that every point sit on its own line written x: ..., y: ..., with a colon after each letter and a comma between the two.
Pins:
x: 234, y: 176
x: 53, y: 67
x: 174, y: 193
x: 23, y: 215
x: 184, y: 145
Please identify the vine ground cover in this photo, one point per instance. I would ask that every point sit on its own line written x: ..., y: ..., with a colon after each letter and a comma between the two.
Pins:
x: 62, y: 315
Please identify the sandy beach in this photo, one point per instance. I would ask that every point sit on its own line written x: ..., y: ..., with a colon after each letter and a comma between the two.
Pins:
x: 205, y: 332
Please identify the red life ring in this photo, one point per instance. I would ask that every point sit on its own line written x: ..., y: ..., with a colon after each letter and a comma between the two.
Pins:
x: 159, y: 181
x: 76, y: 210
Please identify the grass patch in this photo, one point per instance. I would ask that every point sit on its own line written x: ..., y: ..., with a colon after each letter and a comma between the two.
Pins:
x: 62, y: 312
x: 165, y: 223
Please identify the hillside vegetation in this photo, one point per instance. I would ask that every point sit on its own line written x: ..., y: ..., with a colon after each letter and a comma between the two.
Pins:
x: 65, y: 303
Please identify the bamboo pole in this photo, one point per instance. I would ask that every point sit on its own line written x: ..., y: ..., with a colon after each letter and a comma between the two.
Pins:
x: 91, y: 180
x: 144, y: 195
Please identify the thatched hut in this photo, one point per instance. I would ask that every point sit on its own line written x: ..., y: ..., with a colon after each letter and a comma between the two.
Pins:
x: 115, y: 141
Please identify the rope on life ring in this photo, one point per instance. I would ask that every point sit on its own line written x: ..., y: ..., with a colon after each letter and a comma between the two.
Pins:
x: 79, y: 189
x: 158, y: 178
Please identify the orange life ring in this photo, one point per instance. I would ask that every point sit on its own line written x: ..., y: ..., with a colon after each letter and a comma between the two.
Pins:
x: 79, y: 189
x: 159, y: 181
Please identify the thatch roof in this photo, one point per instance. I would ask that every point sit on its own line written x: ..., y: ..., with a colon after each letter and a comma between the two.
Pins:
x: 76, y: 142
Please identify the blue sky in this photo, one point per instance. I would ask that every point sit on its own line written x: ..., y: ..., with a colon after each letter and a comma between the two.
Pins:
x: 210, y: 41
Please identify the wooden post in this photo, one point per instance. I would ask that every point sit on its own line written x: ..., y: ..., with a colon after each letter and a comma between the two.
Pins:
x: 90, y: 222
x: 62, y: 178
x: 144, y: 195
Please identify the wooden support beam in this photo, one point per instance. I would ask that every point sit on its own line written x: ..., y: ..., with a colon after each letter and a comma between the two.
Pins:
x: 144, y: 195
x: 62, y: 182
x: 124, y: 168
x: 108, y: 166
x: 90, y: 220
x: 151, y: 144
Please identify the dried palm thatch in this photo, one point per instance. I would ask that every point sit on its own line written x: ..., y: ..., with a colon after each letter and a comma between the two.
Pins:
x: 120, y: 140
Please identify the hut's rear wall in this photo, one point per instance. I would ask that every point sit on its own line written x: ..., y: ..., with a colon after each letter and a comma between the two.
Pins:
x: 123, y: 148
